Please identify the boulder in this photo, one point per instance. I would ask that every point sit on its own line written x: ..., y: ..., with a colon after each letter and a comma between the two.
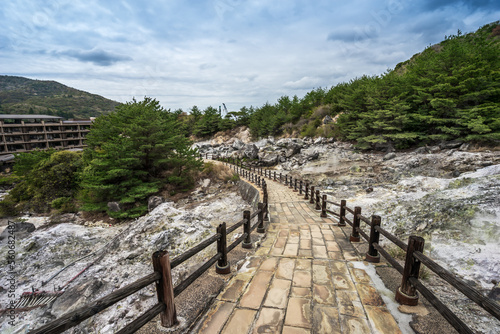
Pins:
x: 318, y: 141
x: 450, y: 145
x: 327, y: 119
x: 154, y: 201
x: 312, y: 155
x: 250, y: 151
x: 114, y: 207
x: 389, y: 156
x: 292, y: 149
x: 270, y: 159
x: 21, y: 230
x: 238, y: 144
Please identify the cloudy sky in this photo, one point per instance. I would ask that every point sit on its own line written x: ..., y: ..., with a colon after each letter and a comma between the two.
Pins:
x: 206, y: 52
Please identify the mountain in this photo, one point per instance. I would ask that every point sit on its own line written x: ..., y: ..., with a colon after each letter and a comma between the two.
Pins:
x: 20, y: 95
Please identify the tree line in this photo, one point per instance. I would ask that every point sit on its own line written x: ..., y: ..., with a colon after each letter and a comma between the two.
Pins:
x: 450, y: 91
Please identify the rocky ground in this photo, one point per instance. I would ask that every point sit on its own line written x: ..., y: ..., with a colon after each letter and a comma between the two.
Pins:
x: 118, y: 254
x: 446, y: 193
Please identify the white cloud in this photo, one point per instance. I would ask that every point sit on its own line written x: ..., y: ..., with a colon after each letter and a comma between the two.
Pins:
x: 234, y: 51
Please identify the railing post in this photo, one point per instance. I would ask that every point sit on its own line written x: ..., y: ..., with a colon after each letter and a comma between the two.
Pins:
x: 258, y: 181
x: 372, y: 255
x: 300, y: 188
x: 281, y: 178
x: 355, y: 225
x: 295, y: 186
x: 222, y: 266
x: 323, y: 207
x: 165, y: 288
x: 274, y: 175
x: 343, y: 204
x: 266, y: 204
x: 247, y: 243
x: 318, y: 206
x: 260, y: 217
x: 306, y: 196
x: 286, y: 180
x: 290, y: 183
x: 406, y: 294
x: 311, y: 201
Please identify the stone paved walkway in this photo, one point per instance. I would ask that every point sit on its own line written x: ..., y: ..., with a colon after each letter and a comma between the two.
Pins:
x: 300, y: 280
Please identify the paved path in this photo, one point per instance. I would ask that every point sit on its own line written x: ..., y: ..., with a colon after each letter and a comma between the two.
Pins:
x: 299, y: 280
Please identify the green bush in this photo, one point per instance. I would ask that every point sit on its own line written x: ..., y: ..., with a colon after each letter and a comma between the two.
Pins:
x: 8, y: 207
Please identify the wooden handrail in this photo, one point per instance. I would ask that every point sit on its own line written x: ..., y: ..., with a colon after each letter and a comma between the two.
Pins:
x: 489, y: 305
x: 72, y: 319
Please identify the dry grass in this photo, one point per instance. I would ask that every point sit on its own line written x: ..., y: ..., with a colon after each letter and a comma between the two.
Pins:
x: 218, y: 172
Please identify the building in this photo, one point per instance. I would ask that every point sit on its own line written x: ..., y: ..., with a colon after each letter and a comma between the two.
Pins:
x: 24, y: 133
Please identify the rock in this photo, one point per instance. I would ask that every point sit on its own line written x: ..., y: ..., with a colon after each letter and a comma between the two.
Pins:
x: 292, y: 149
x: 464, y: 147
x: 154, y: 201
x: 495, y: 292
x: 389, y: 156
x: 421, y: 150
x: 114, y: 206
x: 311, y: 155
x: 283, y: 142
x: 21, y: 230
x: 270, y: 159
x: 318, y: 141
x: 450, y: 145
x: 327, y: 119
x: 369, y: 190
x: 434, y: 149
x: 238, y: 144
x: 250, y: 151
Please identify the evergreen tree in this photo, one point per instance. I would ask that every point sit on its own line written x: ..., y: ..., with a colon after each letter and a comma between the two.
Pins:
x: 132, y: 153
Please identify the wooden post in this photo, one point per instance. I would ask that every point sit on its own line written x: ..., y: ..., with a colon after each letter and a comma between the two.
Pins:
x: 343, y: 204
x: 165, y: 288
x: 286, y: 180
x: 247, y: 243
x: 355, y: 225
x: 260, y: 217
x: 258, y: 181
x: 311, y: 201
x: 295, y: 186
x: 318, y: 206
x: 406, y: 294
x: 306, y: 196
x: 222, y: 266
x: 300, y: 188
x: 274, y: 175
x: 281, y: 178
x: 266, y: 204
x: 372, y: 255
x: 323, y: 207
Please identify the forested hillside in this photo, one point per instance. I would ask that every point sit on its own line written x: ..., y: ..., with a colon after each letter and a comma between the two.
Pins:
x: 450, y: 91
x: 20, y: 95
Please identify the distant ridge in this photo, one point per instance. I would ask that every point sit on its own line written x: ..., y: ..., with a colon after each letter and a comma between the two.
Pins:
x: 19, y: 95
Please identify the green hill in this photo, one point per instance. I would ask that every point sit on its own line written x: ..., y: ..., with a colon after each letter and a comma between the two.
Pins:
x: 20, y: 95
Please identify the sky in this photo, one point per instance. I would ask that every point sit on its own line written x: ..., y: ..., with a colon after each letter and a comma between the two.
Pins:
x: 209, y: 52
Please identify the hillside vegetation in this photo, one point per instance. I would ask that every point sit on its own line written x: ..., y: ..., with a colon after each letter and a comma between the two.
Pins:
x: 450, y: 91
x: 20, y: 95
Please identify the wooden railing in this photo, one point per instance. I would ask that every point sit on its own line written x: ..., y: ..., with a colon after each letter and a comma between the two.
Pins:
x: 161, y: 275
x: 406, y: 294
